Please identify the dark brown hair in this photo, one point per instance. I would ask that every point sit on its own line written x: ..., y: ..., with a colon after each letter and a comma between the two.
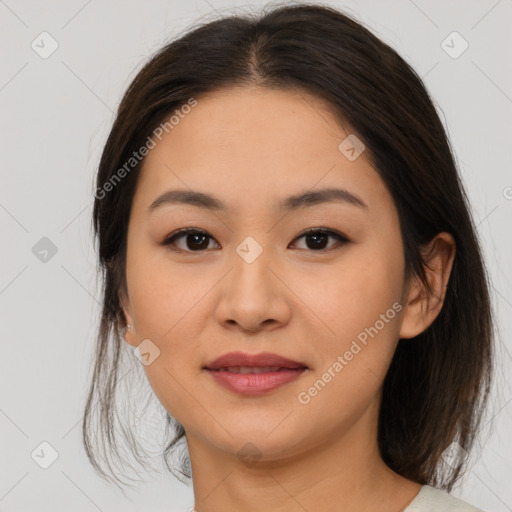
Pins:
x: 438, y: 383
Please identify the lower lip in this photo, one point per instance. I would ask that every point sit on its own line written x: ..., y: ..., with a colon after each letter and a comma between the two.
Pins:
x: 255, y: 383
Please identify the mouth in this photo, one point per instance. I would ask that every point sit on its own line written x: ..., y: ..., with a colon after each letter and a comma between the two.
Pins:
x: 254, y: 374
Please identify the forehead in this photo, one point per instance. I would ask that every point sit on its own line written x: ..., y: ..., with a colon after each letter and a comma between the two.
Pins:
x: 251, y: 144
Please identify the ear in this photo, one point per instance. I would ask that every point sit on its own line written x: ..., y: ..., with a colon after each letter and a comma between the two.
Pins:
x: 128, y: 332
x: 422, y: 307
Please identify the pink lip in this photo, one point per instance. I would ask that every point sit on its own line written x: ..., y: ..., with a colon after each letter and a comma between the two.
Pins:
x: 254, y: 383
x: 245, y: 359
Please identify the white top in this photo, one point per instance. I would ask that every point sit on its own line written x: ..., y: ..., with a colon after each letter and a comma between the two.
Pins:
x: 430, y: 499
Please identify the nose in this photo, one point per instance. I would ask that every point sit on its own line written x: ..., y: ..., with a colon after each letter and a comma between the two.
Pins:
x: 252, y: 296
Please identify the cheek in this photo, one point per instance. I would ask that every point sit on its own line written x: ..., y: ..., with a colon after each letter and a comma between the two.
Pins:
x: 165, y: 305
x: 352, y: 294
x: 168, y: 305
x: 360, y: 309
x: 362, y: 313
x: 162, y: 294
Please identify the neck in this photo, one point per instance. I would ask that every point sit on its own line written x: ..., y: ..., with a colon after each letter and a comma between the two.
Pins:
x: 345, y: 473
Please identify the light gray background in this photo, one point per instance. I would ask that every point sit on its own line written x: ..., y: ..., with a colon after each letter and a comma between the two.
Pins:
x: 55, y: 116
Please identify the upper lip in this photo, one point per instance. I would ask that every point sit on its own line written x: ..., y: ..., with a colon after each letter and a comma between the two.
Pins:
x: 262, y: 359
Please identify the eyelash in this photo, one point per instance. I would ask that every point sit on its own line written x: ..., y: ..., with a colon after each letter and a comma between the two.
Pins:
x: 180, y: 233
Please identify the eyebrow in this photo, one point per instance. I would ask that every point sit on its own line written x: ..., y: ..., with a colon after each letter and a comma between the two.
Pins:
x: 294, y: 202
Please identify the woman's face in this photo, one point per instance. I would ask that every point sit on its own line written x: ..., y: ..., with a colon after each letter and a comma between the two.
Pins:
x: 255, y: 283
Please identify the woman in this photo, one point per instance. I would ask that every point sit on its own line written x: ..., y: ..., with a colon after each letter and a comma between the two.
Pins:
x: 287, y: 248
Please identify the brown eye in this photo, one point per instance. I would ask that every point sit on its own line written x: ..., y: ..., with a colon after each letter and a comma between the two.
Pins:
x: 194, y: 240
x: 317, y: 240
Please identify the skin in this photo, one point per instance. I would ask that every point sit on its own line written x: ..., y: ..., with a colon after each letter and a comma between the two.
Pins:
x: 251, y: 147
